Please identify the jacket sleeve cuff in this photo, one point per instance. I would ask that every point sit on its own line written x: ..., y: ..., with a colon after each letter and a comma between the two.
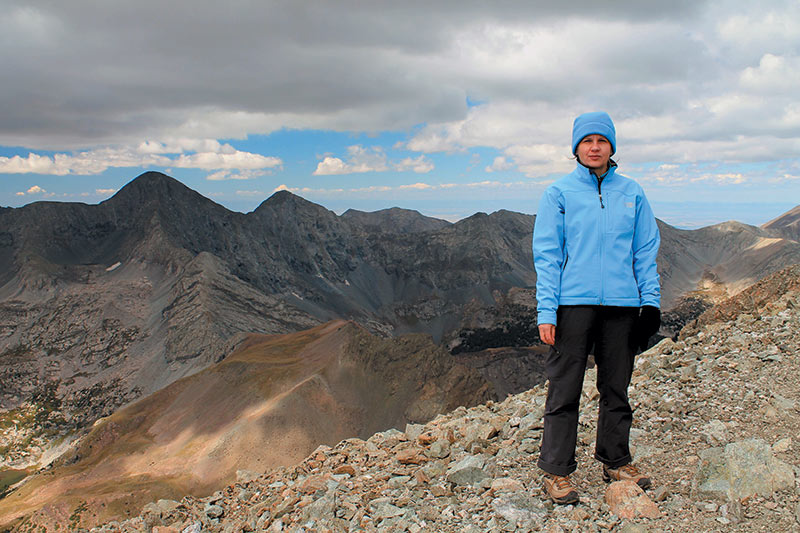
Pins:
x: 654, y: 301
x: 547, y: 317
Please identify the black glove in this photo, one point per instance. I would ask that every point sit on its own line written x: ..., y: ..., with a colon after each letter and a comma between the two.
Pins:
x: 647, y: 325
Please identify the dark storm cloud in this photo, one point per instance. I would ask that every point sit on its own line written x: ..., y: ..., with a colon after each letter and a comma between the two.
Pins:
x: 79, y: 73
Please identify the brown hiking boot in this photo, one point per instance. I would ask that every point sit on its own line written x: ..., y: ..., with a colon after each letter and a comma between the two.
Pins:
x: 626, y: 472
x: 560, y: 489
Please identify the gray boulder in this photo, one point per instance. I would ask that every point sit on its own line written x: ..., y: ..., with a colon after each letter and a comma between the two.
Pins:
x: 740, y: 470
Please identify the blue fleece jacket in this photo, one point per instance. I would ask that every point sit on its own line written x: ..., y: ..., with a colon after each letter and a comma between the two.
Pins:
x: 595, y: 244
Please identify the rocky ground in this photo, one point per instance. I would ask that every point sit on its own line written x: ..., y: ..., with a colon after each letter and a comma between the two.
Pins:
x: 717, y: 416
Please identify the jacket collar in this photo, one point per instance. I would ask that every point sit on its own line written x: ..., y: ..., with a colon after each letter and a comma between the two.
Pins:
x: 585, y: 173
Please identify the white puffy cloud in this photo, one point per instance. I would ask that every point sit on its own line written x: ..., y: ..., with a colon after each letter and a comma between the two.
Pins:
x: 34, y: 163
x: 419, y: 165
x: 372, y: 159
x: 332, y: 166
x: 222, y: 160
x: 147, y: 154
x: 773, y: 75
x: 32, y: 190
x: 499, y: 164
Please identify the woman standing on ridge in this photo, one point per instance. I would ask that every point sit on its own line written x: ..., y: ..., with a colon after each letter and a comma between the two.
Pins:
x: 595, y: 242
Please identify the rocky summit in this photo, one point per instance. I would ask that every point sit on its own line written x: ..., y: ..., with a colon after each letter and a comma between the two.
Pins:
x: 716, y: 425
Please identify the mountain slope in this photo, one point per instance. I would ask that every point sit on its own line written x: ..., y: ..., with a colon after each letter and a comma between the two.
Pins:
x: 715, y: 427
x: 268, y: 404
x: 786, y: 225
x: 734, y: 255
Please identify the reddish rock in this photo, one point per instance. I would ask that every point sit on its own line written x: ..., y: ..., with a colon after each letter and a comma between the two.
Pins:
x: 313, y: 484
x: 426, y: 439
x: 345, y: 469
x: 505, y: 484
x: 411, y: 456
x: 627, y: 500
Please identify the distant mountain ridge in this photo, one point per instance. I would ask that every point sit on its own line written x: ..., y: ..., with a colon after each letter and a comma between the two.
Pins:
x: 787, y: 225
x: 395, y: 220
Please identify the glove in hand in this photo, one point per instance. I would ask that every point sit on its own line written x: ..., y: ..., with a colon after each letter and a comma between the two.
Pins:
x: 647, y: 325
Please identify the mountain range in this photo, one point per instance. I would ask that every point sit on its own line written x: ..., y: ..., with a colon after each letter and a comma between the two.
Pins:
x: 158, y: 287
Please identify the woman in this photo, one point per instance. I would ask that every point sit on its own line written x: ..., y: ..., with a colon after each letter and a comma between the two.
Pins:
x: 595, y: 243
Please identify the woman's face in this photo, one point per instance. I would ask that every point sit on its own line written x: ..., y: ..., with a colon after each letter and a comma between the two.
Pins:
x: 594, y: 152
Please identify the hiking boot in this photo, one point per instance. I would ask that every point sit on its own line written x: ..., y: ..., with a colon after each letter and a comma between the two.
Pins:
x: 626, y: 472
x: 560, y: 489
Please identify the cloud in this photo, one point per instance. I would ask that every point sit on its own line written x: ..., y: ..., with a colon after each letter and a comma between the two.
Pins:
x: 373, y: 188
x: 420, y: 165
x: 416, y: 186
x: 35, y: 190
x: 499, y: 164
x: 719, y: 85
x: 721, y: 178
x: 369, y: 67
x: 34, y: 163
x: 224, y: 175
x: 105, y: 192
x: 223, y: 160
x: 147, y: 154
x: 773, y: 75
x: 372, y: 159
x: 332, y: 166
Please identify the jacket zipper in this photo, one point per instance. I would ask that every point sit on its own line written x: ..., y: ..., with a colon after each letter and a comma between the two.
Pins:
x: 599, y: 193
x: 602, y: 241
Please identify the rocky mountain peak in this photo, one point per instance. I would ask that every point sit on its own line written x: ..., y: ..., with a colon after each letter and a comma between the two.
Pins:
x: 287, y: 201
x: 156, y: 189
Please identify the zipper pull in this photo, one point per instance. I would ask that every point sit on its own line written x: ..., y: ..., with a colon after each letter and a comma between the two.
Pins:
x: 600, y: 190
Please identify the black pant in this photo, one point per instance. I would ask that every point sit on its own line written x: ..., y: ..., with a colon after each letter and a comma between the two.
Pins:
x: 610, y: 331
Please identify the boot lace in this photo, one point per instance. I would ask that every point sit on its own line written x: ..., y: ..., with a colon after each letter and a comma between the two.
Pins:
x: 629, y: 470
x: 562, y: 482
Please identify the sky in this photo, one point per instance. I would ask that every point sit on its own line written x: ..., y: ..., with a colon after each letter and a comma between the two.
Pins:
x: 449, y: 108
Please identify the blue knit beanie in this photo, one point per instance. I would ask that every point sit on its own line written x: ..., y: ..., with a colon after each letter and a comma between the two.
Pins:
x: 595, y: 122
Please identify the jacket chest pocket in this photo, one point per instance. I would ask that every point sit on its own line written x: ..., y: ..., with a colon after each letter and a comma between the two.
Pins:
x: 621, y: 214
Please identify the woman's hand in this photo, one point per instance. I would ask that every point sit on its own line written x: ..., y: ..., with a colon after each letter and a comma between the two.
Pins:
x: 547, y: 332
